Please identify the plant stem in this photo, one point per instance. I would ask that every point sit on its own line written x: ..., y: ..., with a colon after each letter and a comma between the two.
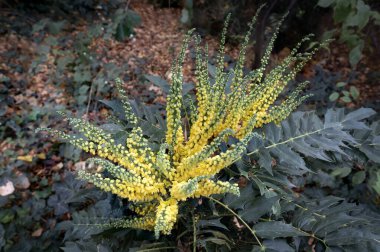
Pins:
x: 194, y: 235
x: 305, y: 209
x: 155, y: 249
x: 288, y: 140
x: 237, y: 216
x: 89, y: 100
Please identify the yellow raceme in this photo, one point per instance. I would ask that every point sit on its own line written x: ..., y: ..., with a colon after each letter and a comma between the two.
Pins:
x: 186, y: 164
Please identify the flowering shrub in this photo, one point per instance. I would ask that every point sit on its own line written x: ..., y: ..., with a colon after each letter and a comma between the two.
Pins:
x: 231, y: 106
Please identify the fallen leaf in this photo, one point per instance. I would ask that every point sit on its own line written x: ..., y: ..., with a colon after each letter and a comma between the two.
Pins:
x: 57, y: 167
x: 22, y: 182
x: 26, y: 158
x: 7, y: 189
x: 80, y: 165
x: 38, y: 232
x: 237, y: 224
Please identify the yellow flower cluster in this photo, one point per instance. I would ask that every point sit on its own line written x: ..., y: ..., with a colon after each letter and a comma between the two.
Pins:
x: 184, y: 167
x: 166, y: 216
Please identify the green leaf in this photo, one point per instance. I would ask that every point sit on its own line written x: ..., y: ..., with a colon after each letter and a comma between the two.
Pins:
x: 62, y: 62
x: 375, y: 185
x: 325, y: 3
x: 95, y: 30
x: 112, y: 128
x: 346, y: 99
x: 346, y: 93
x: 359, y: 114
x: 211, y: 223
x: 124, y: 22
x: 349, y: 236
x: 341, y: 172
x: 56, y: 27
x: 6, y: 215
x: 43, y: 193
x: 71, y: 247
x: 341, y: 84
x: 363, y: 14
x: 158, y: 81
x: 187, y: 87
x: 235, y: 202
x: 355, y: 55
x: 133, y: 18
x: 211, y: 70
x: 305, y: 133
x: 44, y: 182
x: 83, y: 89
x: 334, y: 96
x: 185, y: 16
x: 358, y: 177
x: 116, y: 106
x: 354, y: 92
x: 341, y: 12
x: 328, y: 34
x: 376, y: 16
x: 40, y: 25
x: 258, y: 207
x: 350, y: 37
x: 265, y: 161
x: 277, y: 246
x: 275, y: 229
x: 371, y: 152
x: 82, y: 75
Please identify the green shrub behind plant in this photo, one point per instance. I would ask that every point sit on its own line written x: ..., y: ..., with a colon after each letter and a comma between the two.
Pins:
x: 352, y: 16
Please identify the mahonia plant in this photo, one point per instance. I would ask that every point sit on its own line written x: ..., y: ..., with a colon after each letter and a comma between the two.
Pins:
x: 184, y: 167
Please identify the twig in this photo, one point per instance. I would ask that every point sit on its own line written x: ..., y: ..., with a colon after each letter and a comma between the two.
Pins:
x: 89, y: 100
x: 237, y: 216
x: 155, y: 249
x: 194, y: 235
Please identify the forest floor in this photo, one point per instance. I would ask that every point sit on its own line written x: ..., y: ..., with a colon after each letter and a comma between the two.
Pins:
x: 151, y: 51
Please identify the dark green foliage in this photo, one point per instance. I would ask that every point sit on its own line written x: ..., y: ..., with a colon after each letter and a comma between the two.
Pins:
x: 123, y: 24
x: 319, y: 148
x: 24, y: 16
x: 352, y: 16
x: 32, y: 217
x: 78, y: 66
x: 336, y: 89
x: 307, y: 134
x: 150, y: 120
x: 282, y: 220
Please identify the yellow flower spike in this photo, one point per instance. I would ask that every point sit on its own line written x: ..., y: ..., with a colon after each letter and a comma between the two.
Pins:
x: 202, y: 76
x: 185, y: 189
x: 145, y: 223
x: 166, y: 217
x: 174, y: 134
x: 193, y: 160
x: 131, y: 117
x: 144, y: 208
x: 134, y: 191
x: 208, y: 187
x: 216, y: 163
